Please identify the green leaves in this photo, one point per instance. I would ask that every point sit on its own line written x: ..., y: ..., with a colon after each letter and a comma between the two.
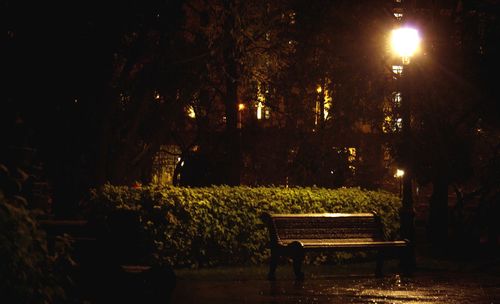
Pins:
x: 27, y: 270
x: 221, y: 225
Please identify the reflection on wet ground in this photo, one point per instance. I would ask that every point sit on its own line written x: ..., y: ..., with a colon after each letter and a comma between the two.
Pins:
x: 446, y: 287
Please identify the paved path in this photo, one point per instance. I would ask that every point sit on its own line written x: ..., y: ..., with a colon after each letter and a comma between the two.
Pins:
x: 424, y: 287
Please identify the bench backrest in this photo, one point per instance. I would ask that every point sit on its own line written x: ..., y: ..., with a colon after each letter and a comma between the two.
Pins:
x: 340, y: 226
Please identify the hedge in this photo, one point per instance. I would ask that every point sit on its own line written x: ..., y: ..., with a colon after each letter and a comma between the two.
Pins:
x: 27, y: 271
x: 222, y: 225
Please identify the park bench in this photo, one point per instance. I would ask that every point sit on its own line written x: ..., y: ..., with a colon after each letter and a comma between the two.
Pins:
x: 114, y: 258
x: 78, y: 231
x: 292, y: 235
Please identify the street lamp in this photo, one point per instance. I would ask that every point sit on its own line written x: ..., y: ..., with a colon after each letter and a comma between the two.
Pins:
x: 399, y: 176
x: 405, y: 43
x: 241, y: 107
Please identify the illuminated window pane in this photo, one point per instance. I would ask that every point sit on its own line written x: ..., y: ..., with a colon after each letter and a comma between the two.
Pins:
x: 396, y: 98
x: 398, y: 16
x: 352, y: 154
x: 325, y: 101
x: 259, y: 110
x: 190, y: 112
x: 399, y: 123
x: 386, y: 125
x: 397, y: 70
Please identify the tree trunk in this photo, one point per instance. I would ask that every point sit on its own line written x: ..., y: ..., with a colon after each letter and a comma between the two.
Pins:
x: 438, y: 216
x: 233, y: 143
x: 321, y: 115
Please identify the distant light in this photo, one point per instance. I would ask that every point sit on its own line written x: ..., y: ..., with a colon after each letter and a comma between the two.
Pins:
x: 352, y: 154
x: 259, y: 110
x: 76, y: 100
x: 399, y: 123
x: 157, y: 96
x: 399, y: 173
x: 267, y: 113
x: 241, y: 107
x: 398, y: 16
x: 319, y: 89
x: 396, y: 98
x: 405, y: 41
x: 397, y: 69
x: 190, y: 112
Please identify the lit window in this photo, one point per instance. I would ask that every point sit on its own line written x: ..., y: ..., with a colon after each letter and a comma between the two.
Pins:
x: 259, y: 110
x: 399, y: 123
x: 326, y: 102
x: 352, y: 154
x: 190, y: 112
x: 396, y: 98
x: 398, y: 16
x: 267, y: 113
x: 397, y: 69
x: 387, y: 125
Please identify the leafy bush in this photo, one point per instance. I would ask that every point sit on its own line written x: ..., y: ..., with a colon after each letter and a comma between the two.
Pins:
x: 222, y: 225
x: 26, y: 269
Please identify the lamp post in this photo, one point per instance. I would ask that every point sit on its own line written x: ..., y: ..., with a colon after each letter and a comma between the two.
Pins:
x: 399, y: 176
x: 405, y: 42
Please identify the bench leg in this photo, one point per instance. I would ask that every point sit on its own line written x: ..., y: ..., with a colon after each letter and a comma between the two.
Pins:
x: 273, y: 265
x: 297, y: 253
x: 297, y: 266
x: 380, y: 264
x: 407, y: 261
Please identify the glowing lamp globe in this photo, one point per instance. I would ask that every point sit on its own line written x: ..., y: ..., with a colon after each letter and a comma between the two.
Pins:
x: 405, y: 41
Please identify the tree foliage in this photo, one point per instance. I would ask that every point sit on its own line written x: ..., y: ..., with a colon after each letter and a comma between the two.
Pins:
x: 27, y: 273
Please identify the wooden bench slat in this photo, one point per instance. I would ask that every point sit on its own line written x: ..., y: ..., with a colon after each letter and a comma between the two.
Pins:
x: 349, y: 243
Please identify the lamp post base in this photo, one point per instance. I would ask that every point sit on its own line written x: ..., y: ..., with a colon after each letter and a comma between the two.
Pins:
x: 407, y: 219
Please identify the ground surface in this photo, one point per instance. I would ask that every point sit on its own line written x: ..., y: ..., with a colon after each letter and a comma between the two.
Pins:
x: 436, y: 282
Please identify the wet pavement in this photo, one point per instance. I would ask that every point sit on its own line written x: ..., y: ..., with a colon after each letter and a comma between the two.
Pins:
x: 428, y: 287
